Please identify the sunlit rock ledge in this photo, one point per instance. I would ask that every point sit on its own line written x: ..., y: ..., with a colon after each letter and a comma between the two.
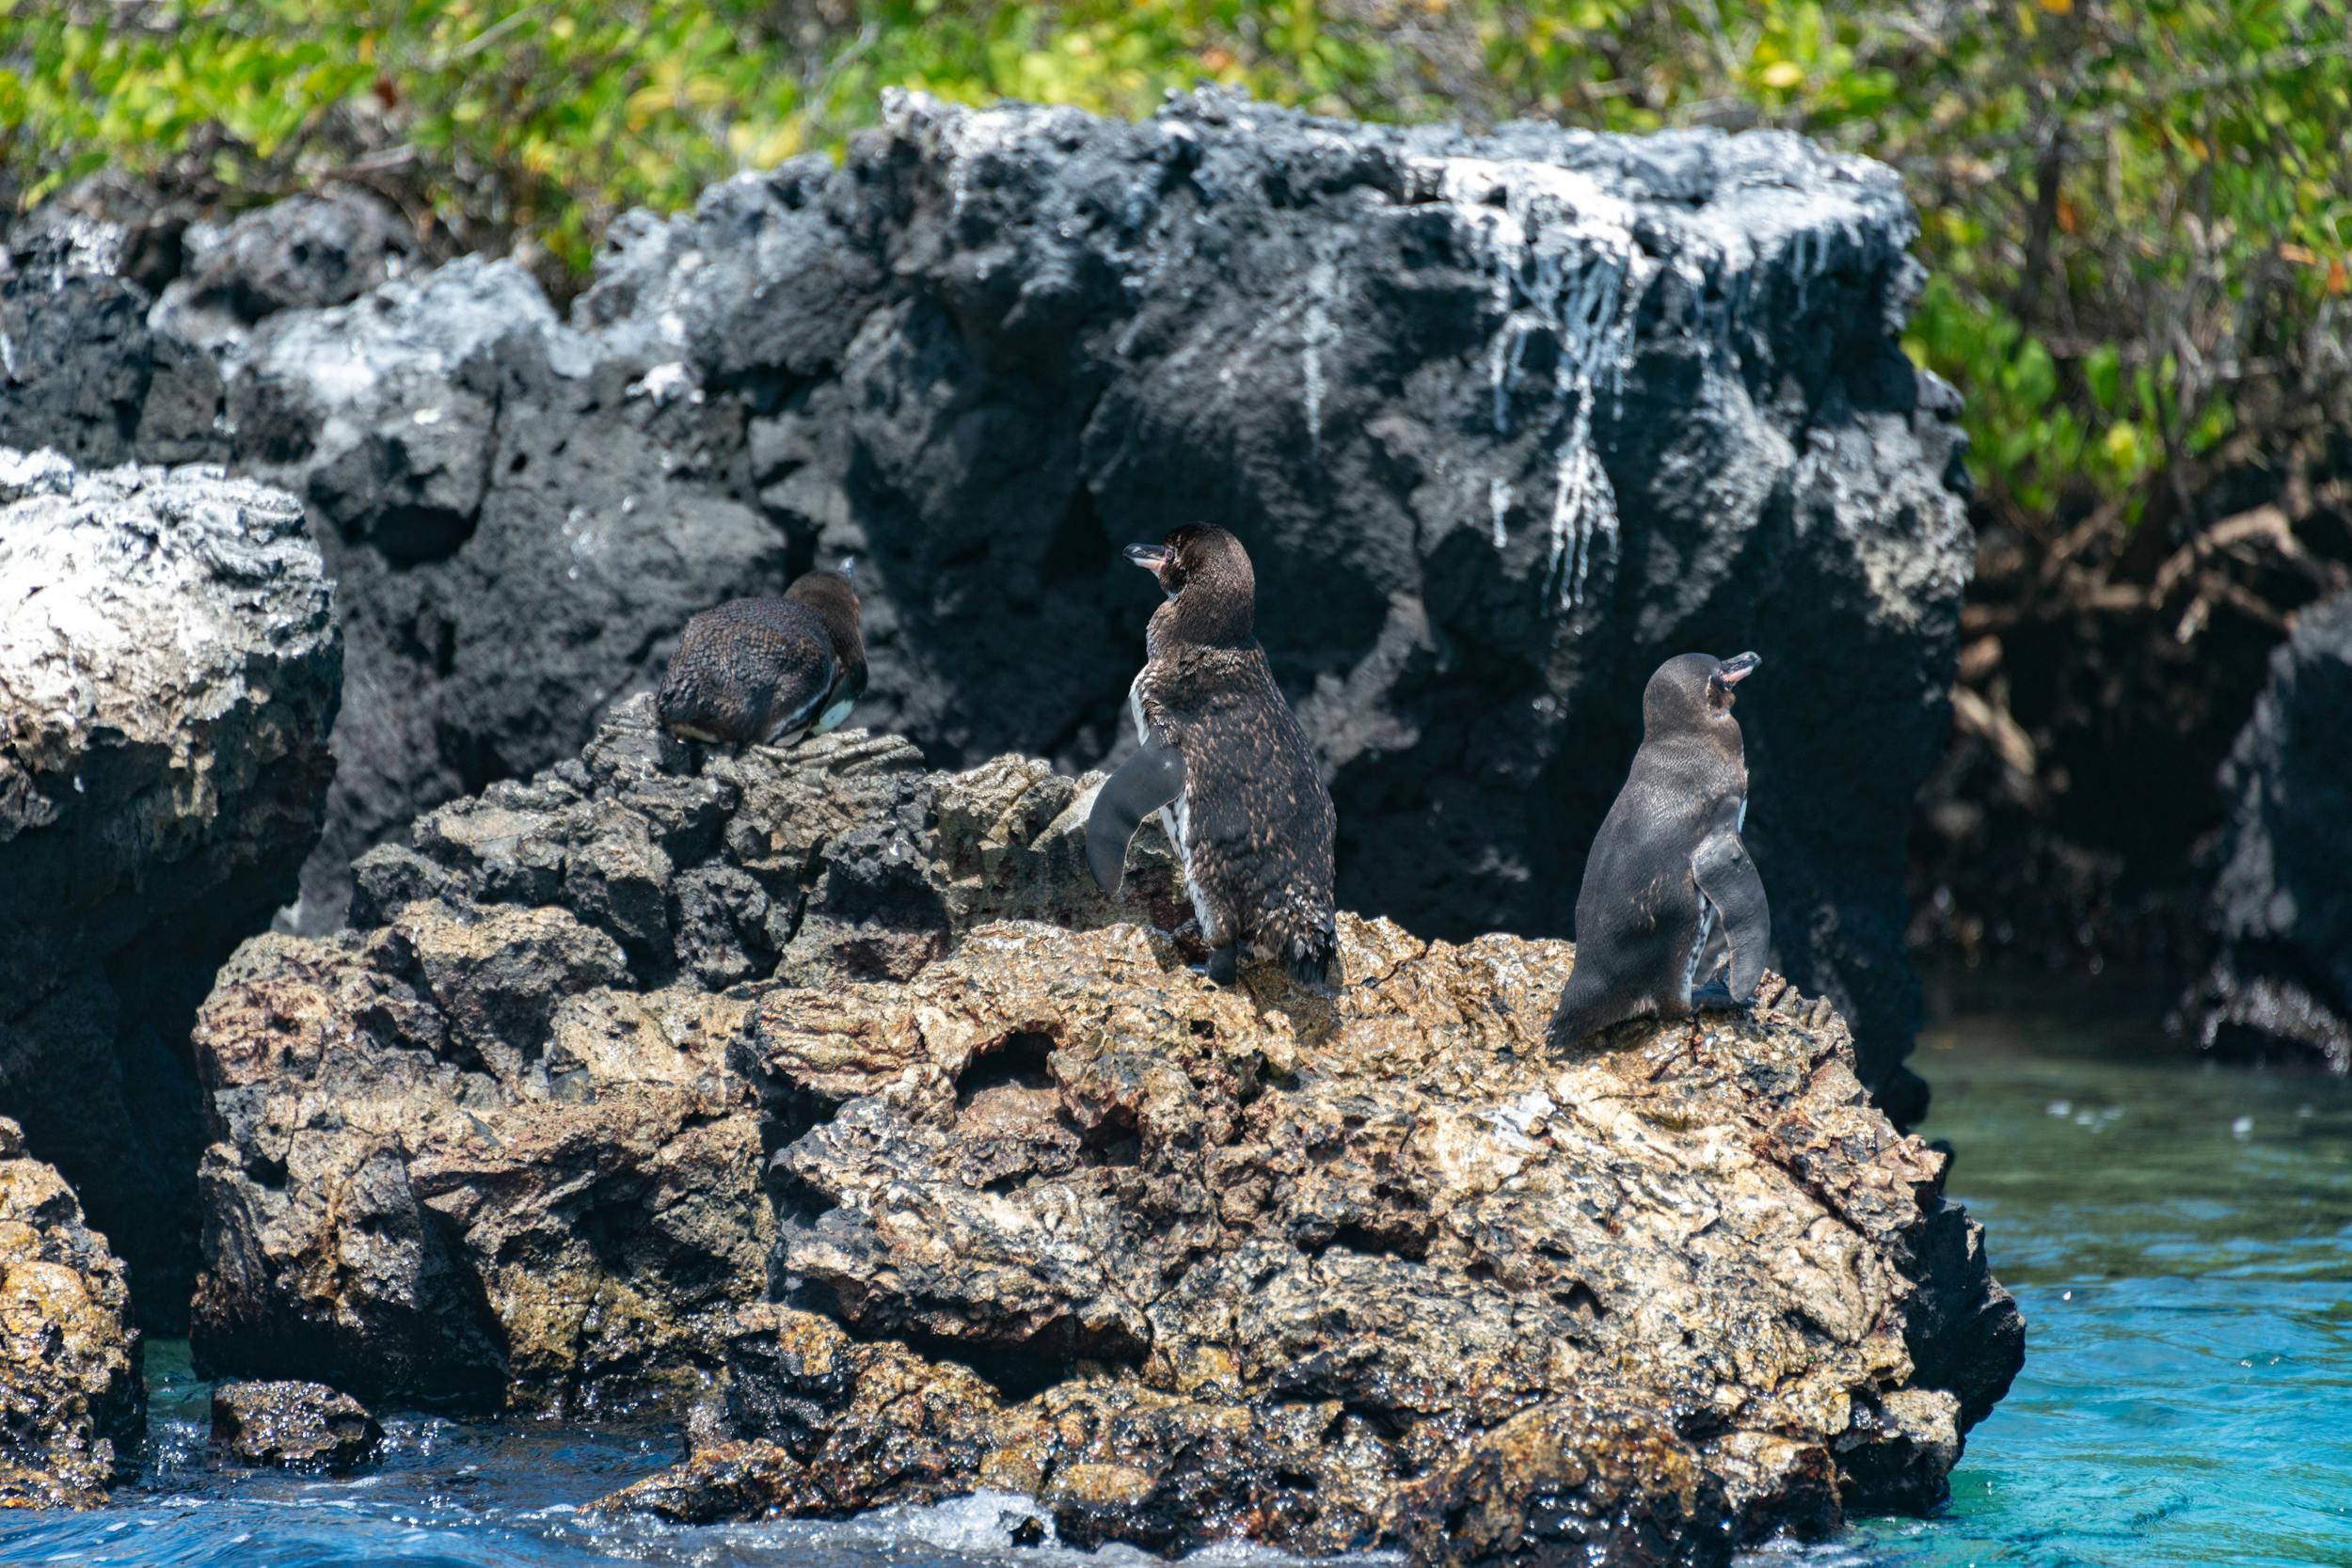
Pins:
x: 822, y: 1096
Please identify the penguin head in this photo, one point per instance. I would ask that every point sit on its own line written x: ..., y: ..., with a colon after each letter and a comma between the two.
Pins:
x: 832, y: 594
x: 1212, y: 590
x: 1693, y: 691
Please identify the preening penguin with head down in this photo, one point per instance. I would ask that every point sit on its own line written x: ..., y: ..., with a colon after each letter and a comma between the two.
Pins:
x: 1671, y: 916
x: 1226, y: 766
x: 768, y: 671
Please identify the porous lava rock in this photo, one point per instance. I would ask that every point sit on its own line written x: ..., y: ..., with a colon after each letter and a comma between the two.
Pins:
x: 71, y: 1401
x: 169, y: 669
x: 2279, y: 985
x: 1370, y: 1269
x: 1505, y: 421
x: 825, y: 1095
x: 488, y: 1149
x: 304, y: 1426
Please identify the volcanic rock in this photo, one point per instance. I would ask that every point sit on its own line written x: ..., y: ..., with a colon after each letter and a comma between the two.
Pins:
x: 1505, y: 421
x: 489, y: 1150
x: 71, y: 1401
x: 2280, y: 989
x: 299, y: 1425
x: 1370, y: 1269
x: 168, y: 672
x: 832, y: 1085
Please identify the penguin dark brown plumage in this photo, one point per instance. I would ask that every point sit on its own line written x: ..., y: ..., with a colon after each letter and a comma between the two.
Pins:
x: 768, y: 670
x: 1225, y: 764
x: 1670, y: 897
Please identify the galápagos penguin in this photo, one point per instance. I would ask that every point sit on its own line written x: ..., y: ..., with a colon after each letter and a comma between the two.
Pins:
x: 768, y: 671
x: 1225, y: 764
x: 1670, y: 916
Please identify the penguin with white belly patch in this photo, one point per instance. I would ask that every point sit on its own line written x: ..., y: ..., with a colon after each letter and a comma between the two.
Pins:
x: 1671, y: 916
x: 1225, y: 764
x: 768, y: 671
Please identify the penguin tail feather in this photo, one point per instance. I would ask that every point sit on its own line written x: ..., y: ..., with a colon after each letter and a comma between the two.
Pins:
x: 1582, y: 1012
x: 1307, y: 946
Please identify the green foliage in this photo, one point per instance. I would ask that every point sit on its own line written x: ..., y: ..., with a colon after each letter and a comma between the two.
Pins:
x: 2137, y: 213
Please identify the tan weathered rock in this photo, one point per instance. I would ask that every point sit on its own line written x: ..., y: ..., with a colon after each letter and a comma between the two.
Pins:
x: 301, y: 1425
x: 491, y: 1150
x: 1377, y: 1242
x: 72, y: 1403
x: 660, y: 1074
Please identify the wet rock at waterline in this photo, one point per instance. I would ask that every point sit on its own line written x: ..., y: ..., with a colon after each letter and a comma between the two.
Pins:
x: 2280, y: 986
x: 1060, y: 1217
x: 299, y: 1425
x: 169, y: 669
x: 71, y: 1401
x: 1505, y: 421
x: 837, y: 1081
x: 489, y: 1149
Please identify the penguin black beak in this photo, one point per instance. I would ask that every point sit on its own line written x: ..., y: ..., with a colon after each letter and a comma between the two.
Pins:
x: 1739, y: 668
x: 1149, y: 557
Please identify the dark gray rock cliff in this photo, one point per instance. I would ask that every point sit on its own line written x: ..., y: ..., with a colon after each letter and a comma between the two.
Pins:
x: 169, y: 667
x: 2279, y: 986
x: 1504, y: 419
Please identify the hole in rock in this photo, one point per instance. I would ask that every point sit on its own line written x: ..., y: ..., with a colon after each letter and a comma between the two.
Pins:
x: 1054, y: 1355
x: 1578, y: 1297
x: 1367, y: 1241
x: 1018, y: 1062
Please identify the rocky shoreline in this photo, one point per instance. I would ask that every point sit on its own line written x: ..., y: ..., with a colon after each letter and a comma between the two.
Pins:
x: 816, y: 1098
x: 970, y: 1182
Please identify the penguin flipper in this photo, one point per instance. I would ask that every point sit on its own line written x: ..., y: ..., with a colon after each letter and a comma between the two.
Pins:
x: 1727, y: 878
x: 1145, y: 782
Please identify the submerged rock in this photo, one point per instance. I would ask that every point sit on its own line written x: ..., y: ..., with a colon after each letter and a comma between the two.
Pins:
x: 1505, y: 421
x: 302, y: 1425
x: 835, y: 1082
x: 2281, y: 986
x: 168, y: 672
x: 71, y: 1399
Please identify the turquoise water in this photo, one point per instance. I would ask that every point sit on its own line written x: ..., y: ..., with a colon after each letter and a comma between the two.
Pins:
x: 2180, y: 1236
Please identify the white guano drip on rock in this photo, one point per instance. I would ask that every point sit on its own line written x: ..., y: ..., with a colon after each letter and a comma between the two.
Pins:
x: 1565, y: 263
x: 1323, y: 282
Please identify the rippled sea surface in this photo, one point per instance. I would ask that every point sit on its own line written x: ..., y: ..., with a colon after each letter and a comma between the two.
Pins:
x: 2180, y: 1236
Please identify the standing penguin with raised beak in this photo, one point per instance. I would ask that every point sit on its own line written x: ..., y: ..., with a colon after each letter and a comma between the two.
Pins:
x: 768, y: 671
x: 1226, y: 766
x: 1670, y: 897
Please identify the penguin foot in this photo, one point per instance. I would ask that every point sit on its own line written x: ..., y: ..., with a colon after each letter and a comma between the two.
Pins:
x: 1715, y: 997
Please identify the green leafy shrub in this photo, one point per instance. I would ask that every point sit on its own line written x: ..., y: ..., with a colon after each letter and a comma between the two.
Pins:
x: 2138, y: 214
